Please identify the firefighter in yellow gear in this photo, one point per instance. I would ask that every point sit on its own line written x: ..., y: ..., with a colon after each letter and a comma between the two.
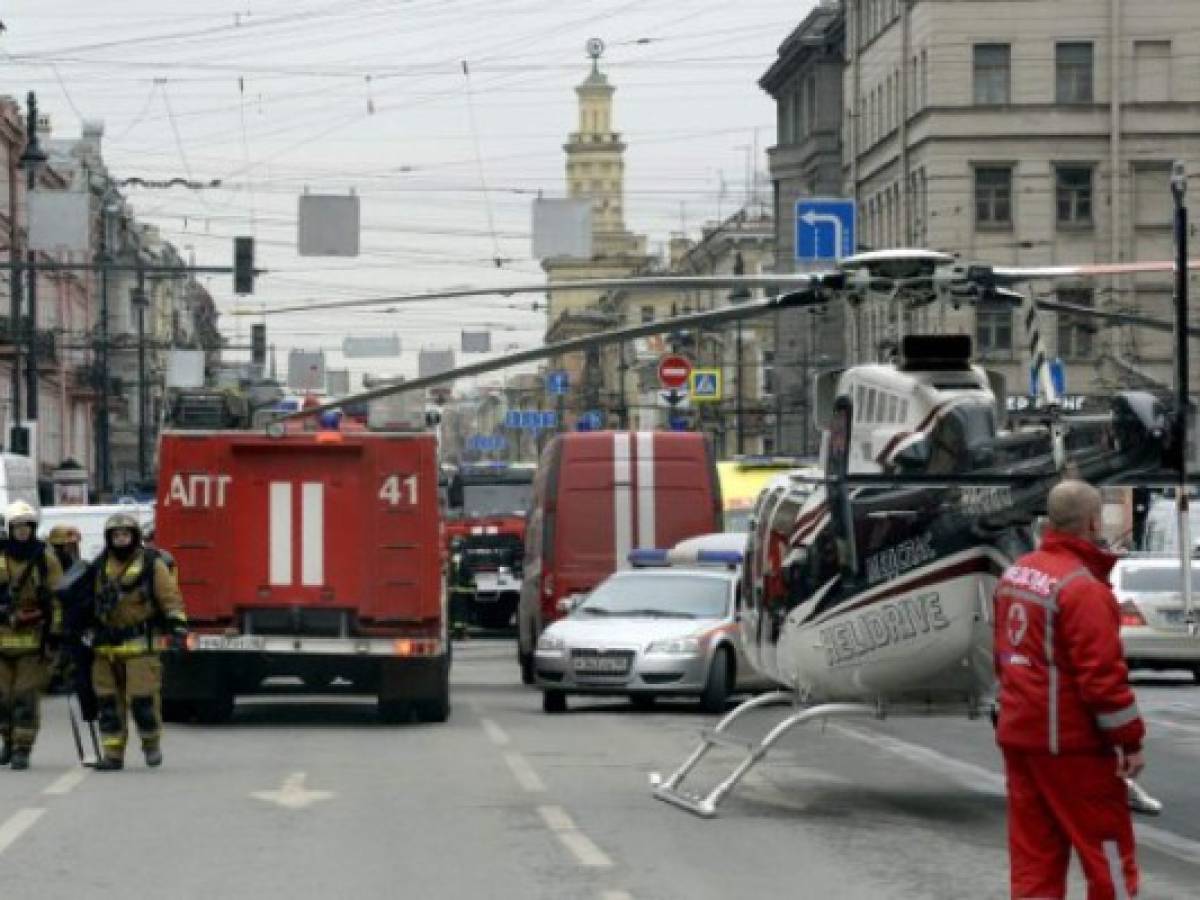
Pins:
x: 136, y: 604
x: 30, y: 626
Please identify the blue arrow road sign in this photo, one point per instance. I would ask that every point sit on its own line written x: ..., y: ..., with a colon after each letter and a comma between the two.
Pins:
x: 557, y: 382
x: 824, y: 230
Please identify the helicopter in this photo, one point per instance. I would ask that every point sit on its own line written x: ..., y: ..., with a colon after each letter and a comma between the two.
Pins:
x: 867, y: 591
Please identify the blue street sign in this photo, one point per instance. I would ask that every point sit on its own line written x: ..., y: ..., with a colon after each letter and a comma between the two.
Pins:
x: 531, y: 419
x: 1058, y: 378
x: 591, y: 420
x: 512, y: 419
x: 679, y: 423
x: 558, y: 382
x: 549, y: 419
x: 486, y: 443
x: 825, y: 229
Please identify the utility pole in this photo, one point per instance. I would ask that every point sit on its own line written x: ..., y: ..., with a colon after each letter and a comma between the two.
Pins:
x: 32, y: 161
x: 102, y: 441
x: 139, y: 301
x: 741, y: 437
x: 1183, y: 398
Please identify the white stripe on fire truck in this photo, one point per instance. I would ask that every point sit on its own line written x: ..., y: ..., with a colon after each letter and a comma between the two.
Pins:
x: 645, y: 472
x: 279, y: 526
x: 312, y: 534
x: 622, y: 499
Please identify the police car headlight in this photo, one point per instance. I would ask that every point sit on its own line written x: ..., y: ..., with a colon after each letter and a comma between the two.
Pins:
x: 551, y: 643
x: 674, y: 647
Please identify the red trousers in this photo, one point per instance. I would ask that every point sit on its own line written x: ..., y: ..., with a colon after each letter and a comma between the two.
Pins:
x: 1059, y: 802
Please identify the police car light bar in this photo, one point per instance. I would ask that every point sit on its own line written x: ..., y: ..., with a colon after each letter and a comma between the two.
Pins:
x: 664, y: 558
x: 642, y: 558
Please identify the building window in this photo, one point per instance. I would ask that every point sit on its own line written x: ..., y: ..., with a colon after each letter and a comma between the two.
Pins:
x: 992, y: 74
x: 768, y: 373
x: 1073, y: 72
x: 994, y: 329
x: 993, y: 197
x: 647, y: 314
x: 1073, y: 193
x: 1152, y: 71
x: 1076, y: 333
x: 810, y: 87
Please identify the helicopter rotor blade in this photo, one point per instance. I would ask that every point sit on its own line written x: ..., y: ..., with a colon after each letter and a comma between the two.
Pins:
x: 811, y: 296
x: 782, y: 282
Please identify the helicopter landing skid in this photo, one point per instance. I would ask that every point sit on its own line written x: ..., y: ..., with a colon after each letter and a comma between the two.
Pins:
x: 671, y: 791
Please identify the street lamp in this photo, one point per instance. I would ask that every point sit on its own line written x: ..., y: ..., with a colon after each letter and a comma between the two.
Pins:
x: 31, y: 161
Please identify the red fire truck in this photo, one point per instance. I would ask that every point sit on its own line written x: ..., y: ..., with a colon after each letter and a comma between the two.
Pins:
x: 306, y: 553
x: 485, y: 534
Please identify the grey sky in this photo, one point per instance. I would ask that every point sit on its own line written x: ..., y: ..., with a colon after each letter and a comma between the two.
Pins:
x: 275, y: 96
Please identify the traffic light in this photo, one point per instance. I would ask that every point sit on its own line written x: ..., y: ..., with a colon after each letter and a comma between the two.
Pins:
x: 243, y: 265
x: 258, y: 344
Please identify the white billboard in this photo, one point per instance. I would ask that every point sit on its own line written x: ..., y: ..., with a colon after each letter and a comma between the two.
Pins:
x: 371, y: 346
x: 476, y: 341
x: 306, y: 370
x: 59, y: 220
x: 329, y: 225
x: 185, y: 369
x: 562, y: 227
x: 434, y: 362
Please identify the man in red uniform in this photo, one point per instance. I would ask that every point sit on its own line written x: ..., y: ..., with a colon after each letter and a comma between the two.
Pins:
x: 1069, y: 724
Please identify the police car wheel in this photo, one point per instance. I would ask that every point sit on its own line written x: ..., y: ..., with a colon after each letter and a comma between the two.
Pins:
x: 717, y: 687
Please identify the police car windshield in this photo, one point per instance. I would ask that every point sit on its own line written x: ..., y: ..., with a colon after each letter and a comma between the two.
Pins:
x: 646, y: 594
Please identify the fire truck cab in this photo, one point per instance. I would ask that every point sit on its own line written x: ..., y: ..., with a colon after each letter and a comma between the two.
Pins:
x: 309, y: 553
x: 486, y: 505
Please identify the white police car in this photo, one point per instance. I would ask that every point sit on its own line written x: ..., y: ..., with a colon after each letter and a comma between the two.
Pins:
x: 667, y: 627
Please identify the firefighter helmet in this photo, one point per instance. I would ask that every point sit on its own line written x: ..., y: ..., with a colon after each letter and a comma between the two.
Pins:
x: 61, y: 535
x: 122, y: 520
x: 20, y: 513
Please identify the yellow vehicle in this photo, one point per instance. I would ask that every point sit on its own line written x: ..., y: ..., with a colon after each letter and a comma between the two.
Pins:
x: 742, y: 480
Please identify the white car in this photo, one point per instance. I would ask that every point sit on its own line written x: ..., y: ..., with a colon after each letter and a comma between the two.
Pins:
x: 667, y: 628
x: 1153, y: 630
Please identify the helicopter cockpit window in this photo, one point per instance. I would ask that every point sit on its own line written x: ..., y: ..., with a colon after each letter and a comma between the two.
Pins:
x: 957, y: 435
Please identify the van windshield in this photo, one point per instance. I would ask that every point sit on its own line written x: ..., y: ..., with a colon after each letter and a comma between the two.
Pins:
x: 683, y: 597
x: 1156, y: 579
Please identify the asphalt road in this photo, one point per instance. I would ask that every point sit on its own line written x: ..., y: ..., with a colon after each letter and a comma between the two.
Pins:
x: 303, y: 797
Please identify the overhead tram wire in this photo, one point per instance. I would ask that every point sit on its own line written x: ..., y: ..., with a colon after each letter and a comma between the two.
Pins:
x: 487, y: 199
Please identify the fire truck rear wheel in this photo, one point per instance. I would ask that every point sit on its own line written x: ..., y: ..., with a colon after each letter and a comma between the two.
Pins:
x: 214, y: 710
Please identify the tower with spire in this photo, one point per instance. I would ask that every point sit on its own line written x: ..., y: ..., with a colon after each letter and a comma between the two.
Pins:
x: 596, y: 172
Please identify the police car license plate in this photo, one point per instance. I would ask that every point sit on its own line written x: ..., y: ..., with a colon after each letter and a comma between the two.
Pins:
x: 226, y: 642
x: 601, y: 665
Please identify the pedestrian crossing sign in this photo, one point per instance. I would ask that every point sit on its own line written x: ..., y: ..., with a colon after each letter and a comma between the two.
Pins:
x: 705, y: 385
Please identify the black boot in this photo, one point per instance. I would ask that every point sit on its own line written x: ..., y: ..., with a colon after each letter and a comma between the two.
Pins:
x: 20, y: 759
x: 154, y: 757
x: 110, y: 764
x: 6, y: 754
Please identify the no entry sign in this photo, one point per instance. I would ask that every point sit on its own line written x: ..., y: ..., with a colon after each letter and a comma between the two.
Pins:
x: 673, y: 371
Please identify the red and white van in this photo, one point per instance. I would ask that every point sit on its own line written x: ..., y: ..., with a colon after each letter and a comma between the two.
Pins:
x: 596, y: 497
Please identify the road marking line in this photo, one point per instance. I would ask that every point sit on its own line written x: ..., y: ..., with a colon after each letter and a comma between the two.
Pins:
x: 986, y: 781
x: 495, y: 733
x: 616, y: 895
x: 579, y: 844
x: 16, y: 825
x: 524, y: 773
x: 66, y: 783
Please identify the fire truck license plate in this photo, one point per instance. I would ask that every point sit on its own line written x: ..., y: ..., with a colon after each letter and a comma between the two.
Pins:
x: 224, y: 642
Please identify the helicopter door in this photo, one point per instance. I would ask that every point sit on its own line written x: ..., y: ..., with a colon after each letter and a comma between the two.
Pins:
x: 837, y: 467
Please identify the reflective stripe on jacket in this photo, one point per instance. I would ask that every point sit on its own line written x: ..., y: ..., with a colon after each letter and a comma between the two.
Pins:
x: 1064, y: 685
